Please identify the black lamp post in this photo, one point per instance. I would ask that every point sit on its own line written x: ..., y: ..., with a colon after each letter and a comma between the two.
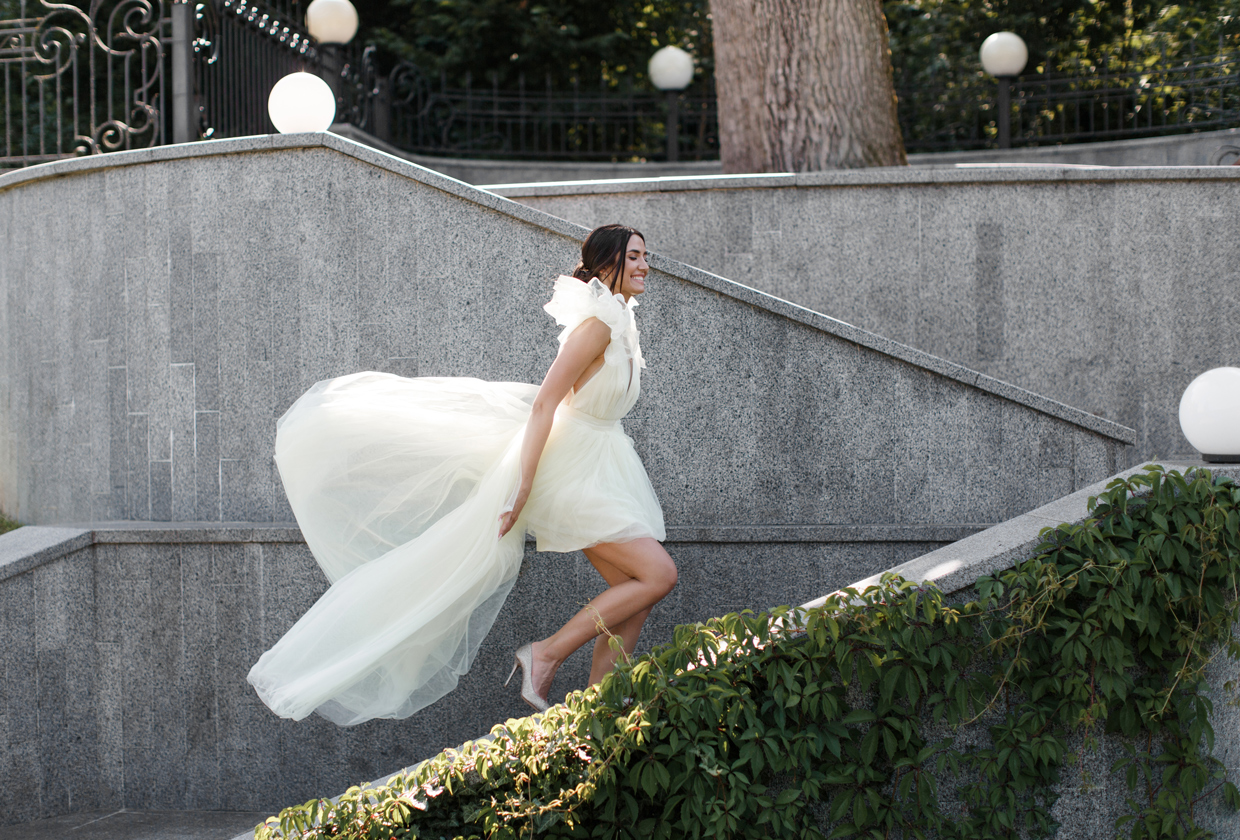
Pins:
x: 1004, y: 55
x: 671, y: 71
x: 332, y: 24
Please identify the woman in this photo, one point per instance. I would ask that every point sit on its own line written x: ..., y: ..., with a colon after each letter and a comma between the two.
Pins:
x: 400, y: 486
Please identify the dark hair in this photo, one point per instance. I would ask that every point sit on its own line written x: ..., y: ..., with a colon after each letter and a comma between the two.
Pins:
x: 603, y: 251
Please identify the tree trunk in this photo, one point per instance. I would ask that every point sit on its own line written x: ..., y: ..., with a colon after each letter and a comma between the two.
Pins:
x: 804, y: 85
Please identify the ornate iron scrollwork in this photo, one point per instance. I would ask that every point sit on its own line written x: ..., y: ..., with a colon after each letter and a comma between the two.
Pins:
x: 1225, y: 155
x: 206, y: 33
x: 91, y: 79
x: 361, y: 87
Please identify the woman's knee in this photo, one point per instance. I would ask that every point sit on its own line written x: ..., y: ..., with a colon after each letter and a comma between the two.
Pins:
x: 665, y: 575
x: 646, y: 561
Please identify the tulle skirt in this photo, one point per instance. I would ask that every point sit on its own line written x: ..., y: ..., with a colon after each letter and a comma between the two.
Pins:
x: 398, y: 485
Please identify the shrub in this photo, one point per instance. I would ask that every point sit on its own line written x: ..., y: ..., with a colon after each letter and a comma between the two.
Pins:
x: 851, y: 719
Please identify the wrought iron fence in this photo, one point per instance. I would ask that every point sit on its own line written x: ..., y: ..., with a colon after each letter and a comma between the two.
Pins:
x: 81, y: 80
x: 84, y: 79
x: 584, y: 123
x: 242, y: 49
x: 1085, y: 103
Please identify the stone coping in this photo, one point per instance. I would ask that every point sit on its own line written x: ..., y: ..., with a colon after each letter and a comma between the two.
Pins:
x: 957, y: 566
x: 26, y: 548
x: 34, y: 545
x: 1022, y: 156
x: 962, y: 174
x: 674, y: 268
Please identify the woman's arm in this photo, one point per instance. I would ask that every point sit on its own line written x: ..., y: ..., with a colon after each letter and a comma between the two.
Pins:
x: 586, y: 344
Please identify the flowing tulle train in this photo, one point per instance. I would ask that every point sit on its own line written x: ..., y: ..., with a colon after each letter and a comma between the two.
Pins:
x: 395, y: 633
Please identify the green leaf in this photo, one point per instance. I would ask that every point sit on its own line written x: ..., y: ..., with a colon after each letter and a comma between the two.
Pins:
x: 859, y: 716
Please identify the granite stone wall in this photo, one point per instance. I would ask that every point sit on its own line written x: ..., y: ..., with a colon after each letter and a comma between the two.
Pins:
x: 159, y: 310
x: 1106, y: 289
x: 1091, y: 795
x: 124, y: 650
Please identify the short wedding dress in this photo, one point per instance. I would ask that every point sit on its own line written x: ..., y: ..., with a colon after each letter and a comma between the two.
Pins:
x: 398, y: 486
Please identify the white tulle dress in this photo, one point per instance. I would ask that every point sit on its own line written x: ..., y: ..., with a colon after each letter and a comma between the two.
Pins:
x: 398, y: 485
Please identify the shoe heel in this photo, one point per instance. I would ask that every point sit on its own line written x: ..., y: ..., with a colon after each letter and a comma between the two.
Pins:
x: 515, y: 664
x: 525, y: 659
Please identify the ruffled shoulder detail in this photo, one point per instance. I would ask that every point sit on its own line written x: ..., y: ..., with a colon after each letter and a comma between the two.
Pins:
x: 574, y: 301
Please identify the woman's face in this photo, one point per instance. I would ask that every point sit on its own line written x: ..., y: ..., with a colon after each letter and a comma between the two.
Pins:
x: 633, y: 278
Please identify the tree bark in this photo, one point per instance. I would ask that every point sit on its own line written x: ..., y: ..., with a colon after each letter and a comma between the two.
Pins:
x: 804, y: 85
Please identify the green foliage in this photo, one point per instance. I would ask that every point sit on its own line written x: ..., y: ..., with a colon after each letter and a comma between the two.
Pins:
x: 933, y: 42
x: 888, y: 712
x: 562, y: 39
x: 947, y: 100
x: 7, y: 524
x: 937, y: 41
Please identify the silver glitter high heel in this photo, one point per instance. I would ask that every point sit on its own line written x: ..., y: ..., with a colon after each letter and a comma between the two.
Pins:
x: 524, y: 658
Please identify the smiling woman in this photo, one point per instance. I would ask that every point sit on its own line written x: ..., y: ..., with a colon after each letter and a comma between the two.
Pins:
x: 415, y: 496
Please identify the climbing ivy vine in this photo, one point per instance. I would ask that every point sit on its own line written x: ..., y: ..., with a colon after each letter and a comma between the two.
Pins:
x: 889, y: 712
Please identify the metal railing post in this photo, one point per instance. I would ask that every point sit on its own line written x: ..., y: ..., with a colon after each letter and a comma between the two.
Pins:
x: 673, y: 126
x: 383, y: 111
x: 1005, y: 112
x: 183, y: 72
x: 331, y: 66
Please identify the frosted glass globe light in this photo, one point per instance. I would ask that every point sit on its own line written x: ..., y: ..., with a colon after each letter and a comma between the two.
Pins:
x: 331, y: 21
x: 671, y: 68
x: 1003, y: 54
x: 301, y: 102
x: 1210, y: 414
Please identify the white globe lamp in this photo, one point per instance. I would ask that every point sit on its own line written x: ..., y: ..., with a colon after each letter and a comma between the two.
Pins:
x: 301, y: 102
x: 331, y: 21
x: 1003, y: 54
x: 671, y: 68
x: 1210, y: 415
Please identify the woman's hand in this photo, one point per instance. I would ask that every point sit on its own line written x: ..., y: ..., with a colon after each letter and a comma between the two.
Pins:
x: 509, y: 517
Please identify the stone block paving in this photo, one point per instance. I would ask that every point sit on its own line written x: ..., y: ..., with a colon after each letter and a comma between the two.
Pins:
x: 138, y: 825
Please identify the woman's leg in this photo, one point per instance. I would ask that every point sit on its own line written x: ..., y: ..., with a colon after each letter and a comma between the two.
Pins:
x: 605, y: 657
x: 640, y: 573
x: 627, y: 631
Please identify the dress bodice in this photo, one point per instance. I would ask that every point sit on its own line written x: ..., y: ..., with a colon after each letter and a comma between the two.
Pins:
x: 613, y: 389
x: 610, y: 392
